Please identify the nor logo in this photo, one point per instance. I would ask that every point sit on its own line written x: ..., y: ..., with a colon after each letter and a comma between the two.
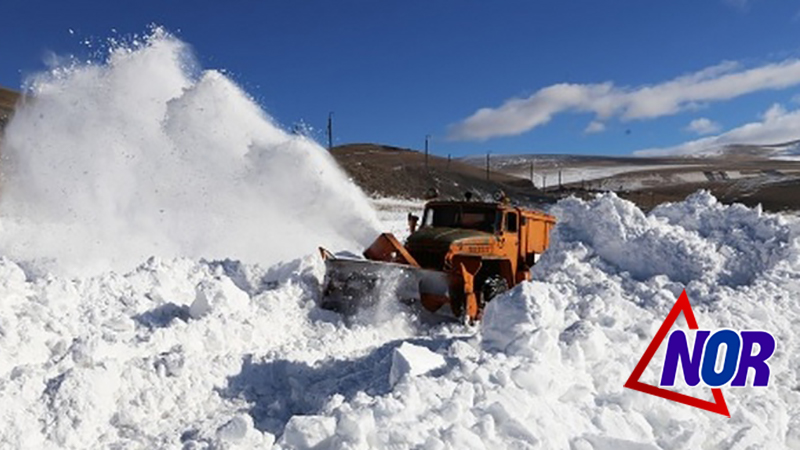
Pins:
x: 720, y: 358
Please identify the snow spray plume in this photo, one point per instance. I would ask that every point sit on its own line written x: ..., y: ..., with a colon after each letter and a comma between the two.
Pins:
x: 143, y: 155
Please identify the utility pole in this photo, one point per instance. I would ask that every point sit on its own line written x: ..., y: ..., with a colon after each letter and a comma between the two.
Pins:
x: 532, y: 182
x: 487, y: 165
x: 330, y: 130
x: 427, y: 138
x: 448, y: 161
x: 559, y: 179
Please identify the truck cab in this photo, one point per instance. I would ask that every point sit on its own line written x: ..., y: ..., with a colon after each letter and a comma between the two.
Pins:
x: 506, y: 239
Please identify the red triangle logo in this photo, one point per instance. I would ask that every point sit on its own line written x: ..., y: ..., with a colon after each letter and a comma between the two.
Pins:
x: 681, y: 306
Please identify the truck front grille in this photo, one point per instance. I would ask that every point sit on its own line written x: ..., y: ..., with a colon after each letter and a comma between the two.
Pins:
x: 429, y: 259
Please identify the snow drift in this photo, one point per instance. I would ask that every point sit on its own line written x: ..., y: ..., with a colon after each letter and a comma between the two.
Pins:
x: 199, y: 354
x: 145, y: 154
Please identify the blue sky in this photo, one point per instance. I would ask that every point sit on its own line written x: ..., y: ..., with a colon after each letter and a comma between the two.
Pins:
x: 394, y: 71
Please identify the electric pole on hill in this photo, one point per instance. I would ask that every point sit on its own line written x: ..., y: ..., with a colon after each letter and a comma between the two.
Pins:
x: 427, y: 138
x: 532, y: 182
x: 330, y: 130
x: 487, y: 165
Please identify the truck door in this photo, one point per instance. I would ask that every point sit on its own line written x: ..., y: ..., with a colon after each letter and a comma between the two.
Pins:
x: 511, y: 237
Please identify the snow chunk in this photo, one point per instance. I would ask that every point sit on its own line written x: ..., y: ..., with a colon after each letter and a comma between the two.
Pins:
x: 11, y: 275
x: 235, y: 430
x: 513, y: 322
x: 413, y: 360
x: 220, y: 295
x: 355, y: 428
x: 308, y: 432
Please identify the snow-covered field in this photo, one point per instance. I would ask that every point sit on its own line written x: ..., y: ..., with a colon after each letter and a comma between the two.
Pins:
x: 549, y: 177
x: 572, y: 169
x: 216, y: 341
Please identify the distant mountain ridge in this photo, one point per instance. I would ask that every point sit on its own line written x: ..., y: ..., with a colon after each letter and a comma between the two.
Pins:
x: 767, y: 151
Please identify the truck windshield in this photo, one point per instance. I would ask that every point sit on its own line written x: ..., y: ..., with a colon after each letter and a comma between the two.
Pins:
x: 461, y: 216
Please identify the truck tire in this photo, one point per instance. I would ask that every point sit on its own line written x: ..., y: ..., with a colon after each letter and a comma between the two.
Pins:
x: 492, y: 287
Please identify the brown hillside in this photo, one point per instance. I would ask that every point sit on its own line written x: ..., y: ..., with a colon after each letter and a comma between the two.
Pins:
x: 8, y: 99
x: 390, y: 171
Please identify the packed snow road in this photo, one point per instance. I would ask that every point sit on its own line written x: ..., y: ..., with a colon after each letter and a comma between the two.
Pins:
x: 199, y: 354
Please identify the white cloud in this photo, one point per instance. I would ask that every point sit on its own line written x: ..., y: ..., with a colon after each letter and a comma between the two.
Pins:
x: 595, y: 127
x: 777, y: 126
x: 775, y: 111
x: 716, y: 83
x: 703, y: 126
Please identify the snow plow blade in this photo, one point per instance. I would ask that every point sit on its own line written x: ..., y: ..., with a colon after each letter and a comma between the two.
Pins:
x: 353, y: 284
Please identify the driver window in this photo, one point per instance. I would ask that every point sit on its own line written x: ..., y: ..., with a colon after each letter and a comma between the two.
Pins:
x: 511, y: 222
x: 427, y: 218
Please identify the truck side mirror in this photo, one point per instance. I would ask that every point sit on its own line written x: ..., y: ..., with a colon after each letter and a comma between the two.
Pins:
x: 412, y: 222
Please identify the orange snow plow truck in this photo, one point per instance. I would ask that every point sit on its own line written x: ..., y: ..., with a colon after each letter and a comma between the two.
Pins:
x: 463, y: 254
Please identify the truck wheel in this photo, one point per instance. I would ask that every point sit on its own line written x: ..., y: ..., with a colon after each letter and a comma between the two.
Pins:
x: 492, y: 287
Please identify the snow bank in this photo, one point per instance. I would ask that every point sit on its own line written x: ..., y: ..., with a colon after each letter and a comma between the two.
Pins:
x: 698, y: 240
x: 548, y: 365
x: 125, y: 360
x: 602, y: 290
x: 145, y: 154
x: 186, y: 353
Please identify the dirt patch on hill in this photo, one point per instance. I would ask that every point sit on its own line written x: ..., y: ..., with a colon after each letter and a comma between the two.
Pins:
x: 8, y: 99
x: 396, y: 172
